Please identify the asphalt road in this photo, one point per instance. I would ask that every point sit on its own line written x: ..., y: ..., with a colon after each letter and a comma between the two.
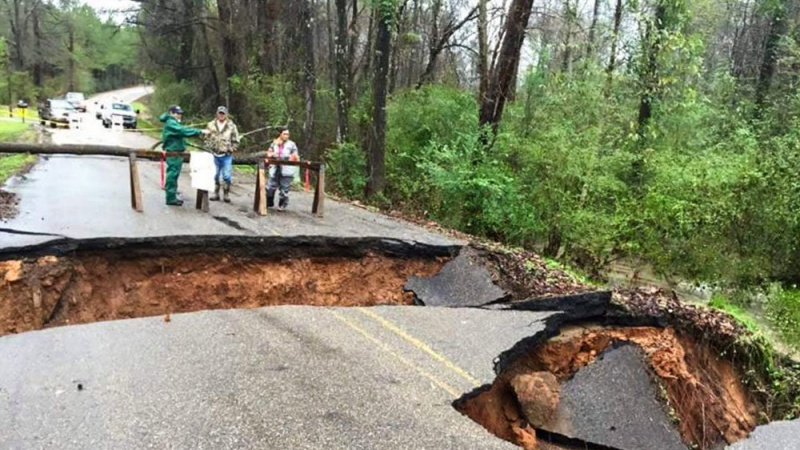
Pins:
x: 281, y: 377
x: 84, y: 197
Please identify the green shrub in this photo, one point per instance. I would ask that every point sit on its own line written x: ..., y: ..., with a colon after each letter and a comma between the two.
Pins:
x: 346, y: 167
x: 783, y: 313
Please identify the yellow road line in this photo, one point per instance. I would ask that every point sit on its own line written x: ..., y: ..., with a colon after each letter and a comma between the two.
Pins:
x: 383, y: 346
x: 421, y: 345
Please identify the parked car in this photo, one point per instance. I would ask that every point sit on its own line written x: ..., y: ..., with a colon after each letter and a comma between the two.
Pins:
x: 55, y: 111
x: 121, y: 110
x: 77, y: 100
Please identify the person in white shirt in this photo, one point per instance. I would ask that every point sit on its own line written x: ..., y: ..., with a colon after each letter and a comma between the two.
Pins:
x: 280, y: 177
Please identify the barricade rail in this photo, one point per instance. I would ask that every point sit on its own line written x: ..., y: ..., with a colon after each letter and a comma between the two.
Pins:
x: 260, y: 200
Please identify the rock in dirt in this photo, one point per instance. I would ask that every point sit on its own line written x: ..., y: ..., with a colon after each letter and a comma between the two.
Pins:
x: 464, y: 281
x: 783, y: 435
x: 537, y: 394
x: 613, y: 402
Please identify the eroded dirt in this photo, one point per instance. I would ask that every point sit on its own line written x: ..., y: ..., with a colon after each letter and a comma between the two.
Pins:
x: 704, y: 392
x: 51, y: 291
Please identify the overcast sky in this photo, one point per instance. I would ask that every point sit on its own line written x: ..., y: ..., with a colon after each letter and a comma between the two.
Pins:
x: 106, y: 5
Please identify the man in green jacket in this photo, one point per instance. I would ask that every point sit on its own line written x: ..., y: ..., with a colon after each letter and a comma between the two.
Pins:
x: 173, y: 139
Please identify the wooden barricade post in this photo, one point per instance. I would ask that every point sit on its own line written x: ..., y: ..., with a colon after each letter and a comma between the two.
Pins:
x: 319, y: 193
x: 136, y: 191
x: 202, y: 201
x: 260, y: 197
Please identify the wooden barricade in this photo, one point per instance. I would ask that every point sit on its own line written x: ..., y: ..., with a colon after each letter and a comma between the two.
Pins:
x: 260, y: 197
x: 260, y: 200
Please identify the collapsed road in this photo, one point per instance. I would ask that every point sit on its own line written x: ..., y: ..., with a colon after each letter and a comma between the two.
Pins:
x: 177, y: 329
x: 205, y: 364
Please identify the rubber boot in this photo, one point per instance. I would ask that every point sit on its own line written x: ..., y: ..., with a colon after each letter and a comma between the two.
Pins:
x: 270, y: 199
x: 215, y: 198
x: 283, y: 203
x: 226, y: 193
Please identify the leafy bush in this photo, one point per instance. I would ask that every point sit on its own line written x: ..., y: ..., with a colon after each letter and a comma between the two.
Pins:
x: 346, y: 167
x: 783, y: 313
x: 168, y: 92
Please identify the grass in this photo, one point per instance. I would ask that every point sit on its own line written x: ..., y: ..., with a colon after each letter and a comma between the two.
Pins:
x: 31, y: 114
x: 720, y: 302
x: 11, y: 165
x: 13, y: 131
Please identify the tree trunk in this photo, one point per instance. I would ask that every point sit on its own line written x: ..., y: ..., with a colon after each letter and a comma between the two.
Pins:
x: 214, y: 88
x: 502, y: 77
x: 376, y: 164
x: 400, y: 27
x: 17, y: 34
x: 309, y: 78
x: 36, y: 18
x: 590, y: 45
x: 230, y: 54
x: 439, y: 40
x: 483, y: 51
x: 612, y: 58
x: 342, y: 86
x: 569, y: 19
x: 71, y: 56
x: 777, y: 30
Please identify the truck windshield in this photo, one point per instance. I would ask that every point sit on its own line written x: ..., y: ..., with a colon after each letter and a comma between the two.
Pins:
x: 60, y: 104
x: 121, y: 107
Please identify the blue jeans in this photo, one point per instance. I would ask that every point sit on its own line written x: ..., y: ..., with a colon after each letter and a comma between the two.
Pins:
x: 224, y: 166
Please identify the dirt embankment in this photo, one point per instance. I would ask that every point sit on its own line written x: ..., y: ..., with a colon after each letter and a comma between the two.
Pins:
x: 50, y: 291
x: 704, y: 392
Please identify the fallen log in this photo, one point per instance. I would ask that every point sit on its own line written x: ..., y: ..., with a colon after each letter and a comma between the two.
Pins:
x: 123, y: 152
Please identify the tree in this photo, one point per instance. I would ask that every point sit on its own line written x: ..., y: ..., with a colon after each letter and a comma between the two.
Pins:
x: 376, y: 153
x: 501, y: 79
x: 776, y: 11
x: 342, y: 66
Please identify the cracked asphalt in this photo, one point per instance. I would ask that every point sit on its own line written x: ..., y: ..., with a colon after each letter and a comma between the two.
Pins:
x: 281, y: 377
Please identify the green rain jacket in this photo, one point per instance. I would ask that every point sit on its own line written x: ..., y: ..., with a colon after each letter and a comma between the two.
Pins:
x: 174, y: 135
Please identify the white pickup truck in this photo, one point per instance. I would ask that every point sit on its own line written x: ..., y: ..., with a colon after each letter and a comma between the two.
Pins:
x: 122, y: 112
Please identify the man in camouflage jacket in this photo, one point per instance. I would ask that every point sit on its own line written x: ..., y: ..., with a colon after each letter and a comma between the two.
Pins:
x: 222, y: 140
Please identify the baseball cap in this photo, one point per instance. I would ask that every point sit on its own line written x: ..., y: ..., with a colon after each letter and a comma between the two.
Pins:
x: 176, y: 109
x: 222, y: 110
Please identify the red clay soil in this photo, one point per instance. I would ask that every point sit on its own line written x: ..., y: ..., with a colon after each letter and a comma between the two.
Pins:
x: 704, y: 391
x: 52, y: 291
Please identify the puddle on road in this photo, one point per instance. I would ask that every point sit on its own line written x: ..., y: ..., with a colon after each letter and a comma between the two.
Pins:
x: 53, y: 291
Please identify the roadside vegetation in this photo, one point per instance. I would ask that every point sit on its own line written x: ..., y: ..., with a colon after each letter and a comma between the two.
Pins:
x: 13, y: 131
x: 11, y: 165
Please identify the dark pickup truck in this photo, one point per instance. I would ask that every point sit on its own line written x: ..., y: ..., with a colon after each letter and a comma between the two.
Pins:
x: 55, y: 111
